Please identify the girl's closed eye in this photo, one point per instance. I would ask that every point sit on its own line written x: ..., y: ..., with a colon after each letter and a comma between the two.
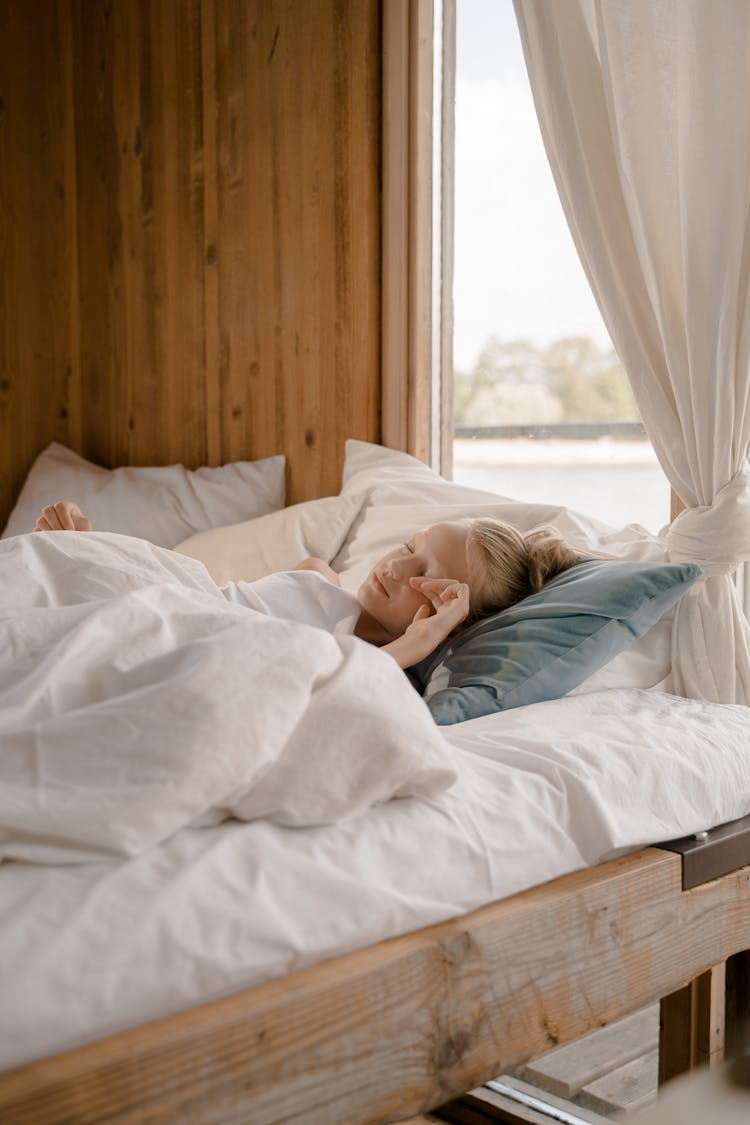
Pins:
x: 409, y: 548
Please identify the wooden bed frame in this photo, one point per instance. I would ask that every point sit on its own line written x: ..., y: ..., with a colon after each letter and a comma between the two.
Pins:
x: 402, y: 1027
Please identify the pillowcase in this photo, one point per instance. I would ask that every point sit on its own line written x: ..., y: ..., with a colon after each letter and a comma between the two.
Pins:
x: 546, y: 645
x: 163, y: 504
x: 278, y: 541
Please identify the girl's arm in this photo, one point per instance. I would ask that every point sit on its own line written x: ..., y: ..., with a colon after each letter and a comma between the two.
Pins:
x: 321, y: 567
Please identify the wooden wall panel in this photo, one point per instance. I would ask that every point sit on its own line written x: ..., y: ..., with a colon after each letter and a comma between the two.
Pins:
x: 297, y: 230
x: 138, y: 110
x: 39, y: 399
x: 189, y: 232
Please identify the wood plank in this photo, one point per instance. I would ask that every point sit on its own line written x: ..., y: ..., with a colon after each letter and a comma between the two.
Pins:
x: 139, y: 167
x: 298, y: 259
x: 626, y: 1089
x: 566, y: 1070
x: 402, y: 1027
x: 711, y: 1016
x: 39, y: 343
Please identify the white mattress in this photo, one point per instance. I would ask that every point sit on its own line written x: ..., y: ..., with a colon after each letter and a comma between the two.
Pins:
x: 91, y: 949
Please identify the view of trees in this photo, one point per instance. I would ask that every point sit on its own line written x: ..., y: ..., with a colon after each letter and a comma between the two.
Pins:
x: 515, y: 382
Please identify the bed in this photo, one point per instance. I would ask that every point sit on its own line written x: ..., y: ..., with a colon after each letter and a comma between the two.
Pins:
x: 282, y: 943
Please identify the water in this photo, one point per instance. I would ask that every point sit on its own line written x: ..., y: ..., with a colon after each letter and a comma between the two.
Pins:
x: 617, y: 494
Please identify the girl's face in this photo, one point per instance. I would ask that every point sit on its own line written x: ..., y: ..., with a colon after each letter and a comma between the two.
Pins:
x: 436, y: 552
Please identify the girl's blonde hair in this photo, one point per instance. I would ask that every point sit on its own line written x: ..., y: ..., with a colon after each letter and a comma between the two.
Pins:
x: 505, y: 565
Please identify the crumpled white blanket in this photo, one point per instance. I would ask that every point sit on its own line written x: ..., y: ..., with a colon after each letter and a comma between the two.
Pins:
x: 135, y: 700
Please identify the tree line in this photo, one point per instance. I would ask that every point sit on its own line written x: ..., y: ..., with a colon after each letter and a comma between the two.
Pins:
x: 515, y: 382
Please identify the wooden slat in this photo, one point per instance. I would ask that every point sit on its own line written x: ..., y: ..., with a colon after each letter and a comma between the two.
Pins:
x: 626, y: 1089
x: 566, y: 1070
x: 404, y: 1026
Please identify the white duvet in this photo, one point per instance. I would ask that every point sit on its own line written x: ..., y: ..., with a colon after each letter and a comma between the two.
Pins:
x: 135, y: 700
x: 88, y: 949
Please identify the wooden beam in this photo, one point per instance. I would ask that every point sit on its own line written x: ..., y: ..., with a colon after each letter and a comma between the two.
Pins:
x: 404, y: 1026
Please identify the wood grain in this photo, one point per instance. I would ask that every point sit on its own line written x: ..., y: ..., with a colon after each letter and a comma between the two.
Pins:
x: 297, y: 157
x: 39, y: 344
x: 402, y: 1027
x: 189, y: 232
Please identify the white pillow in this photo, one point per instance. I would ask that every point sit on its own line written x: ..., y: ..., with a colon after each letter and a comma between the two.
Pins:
x: 278, y: 541
x: 388, y: 476
x: 402, y: 494
x: 163, y: 504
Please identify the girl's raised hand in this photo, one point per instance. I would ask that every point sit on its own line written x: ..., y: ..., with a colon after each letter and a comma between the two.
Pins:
x: 65, y: 515
x: 450, y: 606
x: 431, y: 624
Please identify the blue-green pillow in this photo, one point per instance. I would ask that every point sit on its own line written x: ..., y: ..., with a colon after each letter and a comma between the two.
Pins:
x: 549, y: 643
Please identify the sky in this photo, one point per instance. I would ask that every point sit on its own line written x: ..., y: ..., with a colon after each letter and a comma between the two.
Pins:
x: 516, y: 270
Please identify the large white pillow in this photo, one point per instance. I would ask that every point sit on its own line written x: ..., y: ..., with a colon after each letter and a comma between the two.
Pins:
x: 275, y: 542
x: 163, y: 504
x: 387, y: 478
x: 402, y: 494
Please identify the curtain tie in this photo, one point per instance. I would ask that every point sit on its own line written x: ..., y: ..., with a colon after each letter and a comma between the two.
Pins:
x: 715, y: 536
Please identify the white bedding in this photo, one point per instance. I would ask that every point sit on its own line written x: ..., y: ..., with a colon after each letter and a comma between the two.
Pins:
x: 136, y: 700
x: 86, y: 950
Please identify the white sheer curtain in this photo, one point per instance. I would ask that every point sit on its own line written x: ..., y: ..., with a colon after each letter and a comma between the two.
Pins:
x: 644, y: 107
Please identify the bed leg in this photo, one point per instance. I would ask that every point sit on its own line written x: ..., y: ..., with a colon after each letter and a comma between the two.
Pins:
x: 692, y: 1024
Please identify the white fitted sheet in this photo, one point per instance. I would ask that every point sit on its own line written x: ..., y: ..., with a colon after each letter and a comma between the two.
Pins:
x: 91, y: 949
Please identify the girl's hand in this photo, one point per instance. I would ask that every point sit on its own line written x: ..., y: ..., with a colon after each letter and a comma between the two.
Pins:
x: 431, y: 625
x: 65, y: 515
x: 450, y: 606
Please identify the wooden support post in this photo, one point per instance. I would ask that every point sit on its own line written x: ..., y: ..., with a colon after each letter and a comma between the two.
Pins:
x: 691, y: 1025
x: 738, y: 1005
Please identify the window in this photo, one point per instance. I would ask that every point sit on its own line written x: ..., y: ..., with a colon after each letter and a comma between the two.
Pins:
x: 542, y: 407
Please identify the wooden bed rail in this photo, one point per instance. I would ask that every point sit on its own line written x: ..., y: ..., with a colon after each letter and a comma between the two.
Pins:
x: 401, y: 1027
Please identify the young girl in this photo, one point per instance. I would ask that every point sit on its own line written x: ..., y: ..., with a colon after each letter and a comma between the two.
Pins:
x: 414, y: 597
